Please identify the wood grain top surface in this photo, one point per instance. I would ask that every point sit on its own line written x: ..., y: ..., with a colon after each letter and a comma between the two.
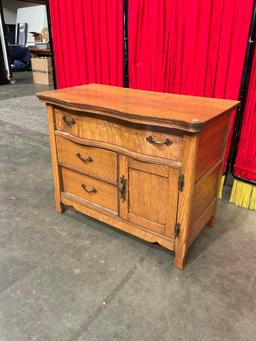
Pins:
x: 190, y: 113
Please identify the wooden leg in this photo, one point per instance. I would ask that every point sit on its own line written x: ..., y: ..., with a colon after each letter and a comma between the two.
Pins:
x: 211, y: 222
x: 55, y: 167
x: 185, y: 197
x: 59, y: 207
x: 180, y: 257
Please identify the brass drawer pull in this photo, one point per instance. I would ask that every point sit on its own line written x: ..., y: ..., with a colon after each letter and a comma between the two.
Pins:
x: 88, y: 160
x: 68, y: 121
x: 167, y: 142
x: 93, y: 190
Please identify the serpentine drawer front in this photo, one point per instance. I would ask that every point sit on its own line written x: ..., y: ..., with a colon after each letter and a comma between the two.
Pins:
x: 153, y: 141
x: 144, y: 162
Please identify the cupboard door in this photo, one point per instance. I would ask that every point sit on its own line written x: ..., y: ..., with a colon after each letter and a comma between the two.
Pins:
x: 148, y: 195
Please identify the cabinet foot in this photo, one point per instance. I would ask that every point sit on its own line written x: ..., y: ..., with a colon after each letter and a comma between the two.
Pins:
x: 179, y: 263
x: 211, y: 222
x: 180, y: 258
x: 59, y: 208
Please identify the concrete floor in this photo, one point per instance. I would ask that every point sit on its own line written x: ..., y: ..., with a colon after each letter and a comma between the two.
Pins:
x: 68, y: 277
x: 23, y: 86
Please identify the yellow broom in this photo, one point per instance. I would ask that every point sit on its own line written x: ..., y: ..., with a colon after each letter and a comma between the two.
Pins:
x: 221, y: 186
x: 243, y: 195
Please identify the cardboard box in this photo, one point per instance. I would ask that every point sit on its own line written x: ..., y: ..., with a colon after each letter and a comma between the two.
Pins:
x: 37, y: 36
x: 42, y: 70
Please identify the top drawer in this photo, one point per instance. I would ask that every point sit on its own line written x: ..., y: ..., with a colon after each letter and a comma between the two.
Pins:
x: 138, y: 138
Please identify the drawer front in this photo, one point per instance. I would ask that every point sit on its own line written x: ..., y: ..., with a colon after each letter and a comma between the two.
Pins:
x: 96, y: 162
x: 135, y: 137
x: 92, y: 190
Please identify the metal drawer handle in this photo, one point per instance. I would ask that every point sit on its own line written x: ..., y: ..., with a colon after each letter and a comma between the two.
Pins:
x: 123, y: 188
x: 167, y: 142
x: 93, y: 190
x: 68, y: 121
x: 88, y: 160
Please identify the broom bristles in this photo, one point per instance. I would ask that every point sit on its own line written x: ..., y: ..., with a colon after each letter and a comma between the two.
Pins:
x: 243, y: 195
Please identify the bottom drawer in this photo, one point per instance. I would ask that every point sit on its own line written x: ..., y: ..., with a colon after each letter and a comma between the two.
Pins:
x: 90, y: 189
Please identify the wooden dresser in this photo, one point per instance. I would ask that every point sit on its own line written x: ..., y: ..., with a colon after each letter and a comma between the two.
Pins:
x: 144, y: 162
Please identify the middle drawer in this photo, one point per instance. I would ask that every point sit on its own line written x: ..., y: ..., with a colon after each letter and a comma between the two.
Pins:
x: 96, y: 162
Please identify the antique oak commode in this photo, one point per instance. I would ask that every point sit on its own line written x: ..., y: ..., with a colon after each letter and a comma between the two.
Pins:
x: 147, y: 163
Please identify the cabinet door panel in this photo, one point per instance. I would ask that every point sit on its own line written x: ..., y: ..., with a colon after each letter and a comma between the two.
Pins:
x: 151, y: 195
x: 148, y: 195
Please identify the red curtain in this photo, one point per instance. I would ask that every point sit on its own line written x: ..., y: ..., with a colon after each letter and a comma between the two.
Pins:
x: 190, y: 47
x: 245, y: 165
x: 87, y: 41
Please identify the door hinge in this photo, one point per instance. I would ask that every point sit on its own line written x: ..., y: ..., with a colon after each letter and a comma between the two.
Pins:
x: 181, y: 182
x: 177, y: 230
